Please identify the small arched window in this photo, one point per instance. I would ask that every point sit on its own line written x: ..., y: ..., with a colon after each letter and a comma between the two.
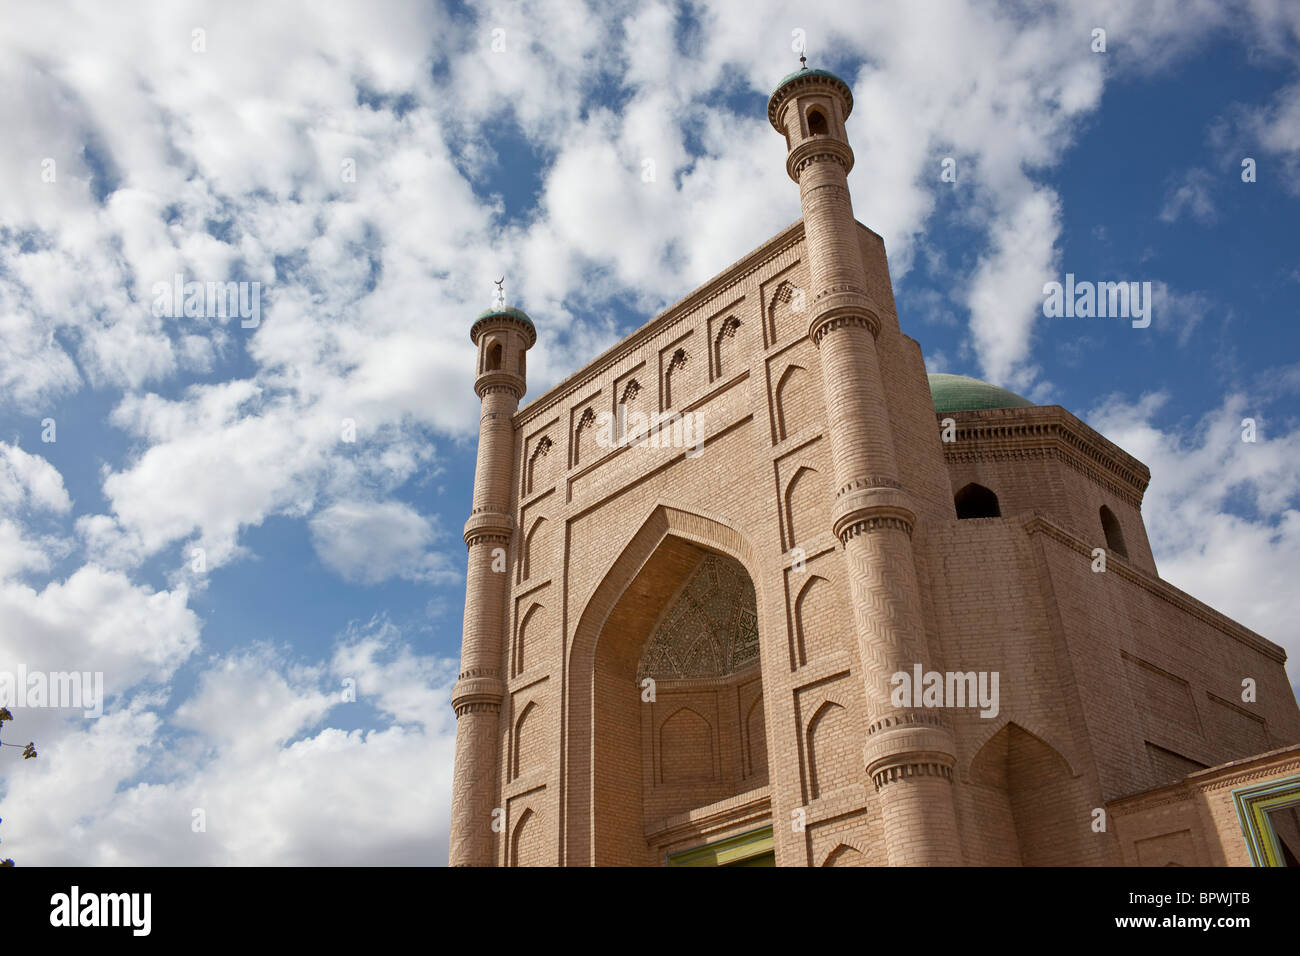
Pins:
x: 494, y: 357
x: 817, y: 123
x: 678, y: 361
x: 1114, y: 533
x: 976, y: 501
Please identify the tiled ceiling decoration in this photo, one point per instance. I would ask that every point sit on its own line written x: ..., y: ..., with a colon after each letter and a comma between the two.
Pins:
x: 712, y: 628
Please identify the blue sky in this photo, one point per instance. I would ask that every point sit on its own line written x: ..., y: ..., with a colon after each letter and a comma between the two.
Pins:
x: 218, y: 155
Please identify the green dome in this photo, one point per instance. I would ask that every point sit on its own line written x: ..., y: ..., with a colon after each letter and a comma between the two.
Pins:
x: 776, y: 98
x: 806, y: 72
x: 961, y: 393
x: 509, y: 310
x: 504, y: 312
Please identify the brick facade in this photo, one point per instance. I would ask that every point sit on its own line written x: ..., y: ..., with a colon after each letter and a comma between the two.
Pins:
x: 817, y: 473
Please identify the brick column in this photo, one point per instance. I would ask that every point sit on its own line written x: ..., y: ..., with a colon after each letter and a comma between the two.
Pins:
x: 480, y: 689
x: 909, y: 753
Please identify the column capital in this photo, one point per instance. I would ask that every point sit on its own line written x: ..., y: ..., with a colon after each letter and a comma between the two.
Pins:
x: 908, y: 743
x: 842, y: 306
x: 871, y: 504
x: 474, y: 693
x: 821, y: 149
x: 489, y: 526
x: 500, y: 381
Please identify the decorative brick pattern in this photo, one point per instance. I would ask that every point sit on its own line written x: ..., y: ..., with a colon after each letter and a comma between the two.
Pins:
x: 772, y: 581
x: 711, y: 630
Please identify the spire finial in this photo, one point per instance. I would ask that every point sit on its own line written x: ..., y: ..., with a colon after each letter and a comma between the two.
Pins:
x: 501, y: 293
x: 803, y: 61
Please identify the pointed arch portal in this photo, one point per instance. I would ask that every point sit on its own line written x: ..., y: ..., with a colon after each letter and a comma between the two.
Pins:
x: 677, y: 606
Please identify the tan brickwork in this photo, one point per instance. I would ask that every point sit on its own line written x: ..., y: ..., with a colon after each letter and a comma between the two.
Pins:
x: 478, y: 694
x: 1195, y: 822
x: 821, y: 478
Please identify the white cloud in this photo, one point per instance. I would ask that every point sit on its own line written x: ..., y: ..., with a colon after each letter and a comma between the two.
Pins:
x: 28, y: 480
x: 19, y: 552
x: 250, y: 703
x: 1177, y: 311
x: 1190, y: 196
x: 372, y: 541
x: 274, y: 787
x: 31, y: 489
x: 1006, y: 294
x: 98, y: 620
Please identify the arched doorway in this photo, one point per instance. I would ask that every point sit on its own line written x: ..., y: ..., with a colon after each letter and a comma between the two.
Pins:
x: 666, y: 711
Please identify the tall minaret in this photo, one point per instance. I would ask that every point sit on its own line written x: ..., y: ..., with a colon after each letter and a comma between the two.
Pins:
x: 909, y: 752
x: 503, y: 336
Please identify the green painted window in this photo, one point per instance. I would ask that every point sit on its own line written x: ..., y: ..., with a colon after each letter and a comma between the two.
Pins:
x: 1257, y: 808
x: 754, y: 848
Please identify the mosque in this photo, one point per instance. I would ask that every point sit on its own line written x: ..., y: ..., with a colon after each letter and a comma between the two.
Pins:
x: 862, y: 616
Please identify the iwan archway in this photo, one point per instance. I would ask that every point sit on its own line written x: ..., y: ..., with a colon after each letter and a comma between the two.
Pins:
x: 666, y: 713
